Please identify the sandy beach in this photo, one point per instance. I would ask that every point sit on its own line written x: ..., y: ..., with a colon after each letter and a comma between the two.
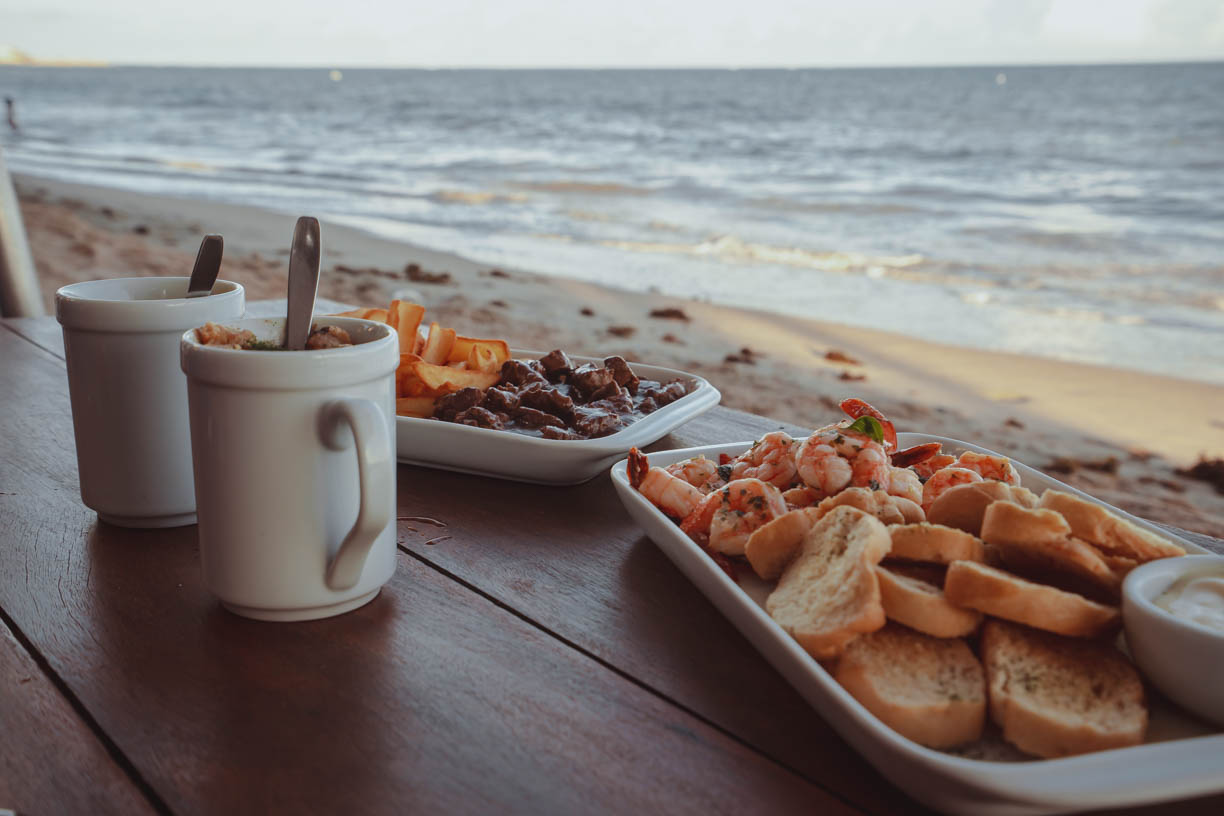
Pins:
x: 1120, y: 435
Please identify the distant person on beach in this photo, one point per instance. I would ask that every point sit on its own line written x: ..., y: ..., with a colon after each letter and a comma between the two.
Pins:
x: 11, y: 107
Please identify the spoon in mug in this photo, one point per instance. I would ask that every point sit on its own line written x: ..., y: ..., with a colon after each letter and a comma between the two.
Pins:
x: 303, y: 282
x: 207, y: 266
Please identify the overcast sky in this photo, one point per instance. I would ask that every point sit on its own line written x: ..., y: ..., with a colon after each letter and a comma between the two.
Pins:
x: 597, y: 33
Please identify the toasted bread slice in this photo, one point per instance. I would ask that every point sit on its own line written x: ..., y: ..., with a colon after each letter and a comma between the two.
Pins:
x: 829, y: 594
x: 1007, y: 596
x: 930, y: 573
x: 922, y: 606
x: 934, y: 542
x: 1054, y: 696
x: 1107, y: 531
x: 928, y: 689
x: 888, y: 509
x: 774, y: 544
x: 1038, y: 544
x: 963, y: 506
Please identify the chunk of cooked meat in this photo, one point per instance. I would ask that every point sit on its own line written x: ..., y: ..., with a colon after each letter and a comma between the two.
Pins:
x: 589, y: 380
x: 450, y: 406
x: 212, y: 334
x: 621, y: 372
x: 548, y: 400
x: 518, y: 373
x: 325, y: 337
x: 556, y: 364
x: 481, y: 418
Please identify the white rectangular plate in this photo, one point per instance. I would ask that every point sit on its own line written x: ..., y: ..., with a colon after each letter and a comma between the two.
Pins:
x: 523, y: 458
x: 1182, y: 758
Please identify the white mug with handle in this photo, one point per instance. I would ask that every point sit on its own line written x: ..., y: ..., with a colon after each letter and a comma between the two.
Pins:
x: 294, y: 470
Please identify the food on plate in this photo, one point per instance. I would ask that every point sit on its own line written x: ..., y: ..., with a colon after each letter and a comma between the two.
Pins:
x: 1004, y: 595
x: 894, y: 611
x: 922, y: 606
x: 934, y: 543
x: 472, y: 381
x: 1054, y: 696
x: 830, y: 594
x: 321, y: 337
x: 1110, y: 533
x: 962, y: 506
x: 928, y: 689
x: 1039, y: 543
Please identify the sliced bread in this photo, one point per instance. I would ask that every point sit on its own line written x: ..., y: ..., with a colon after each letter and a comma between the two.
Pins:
x: 1008, y: 596
x: 922, y: 606
x: 928, y: 689
x: 1111, y: 533
x: 1038, y: 544
x: 1054, y: 696
x: 934, y: 542
x: 963, y: 506
x: 888, y: 509
x: 829, y: 594
x: 772, y: 545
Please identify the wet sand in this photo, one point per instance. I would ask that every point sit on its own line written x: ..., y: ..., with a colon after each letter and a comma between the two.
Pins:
x: 1118, y: 434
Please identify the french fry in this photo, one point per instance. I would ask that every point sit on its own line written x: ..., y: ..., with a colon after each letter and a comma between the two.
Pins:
x: 405, y: 318
x: 444, y: 379
x: 415, y: 406
x: 377, y: 315
x: 438, y: 345
x: 463, y: 347
x: 481, y: 358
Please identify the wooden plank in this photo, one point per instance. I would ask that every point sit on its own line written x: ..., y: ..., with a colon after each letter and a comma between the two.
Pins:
x: 50, y: 760
x: 431, y: 698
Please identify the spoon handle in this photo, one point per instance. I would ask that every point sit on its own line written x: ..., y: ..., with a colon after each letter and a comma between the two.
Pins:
x: 303, y: 282
x: 207, y: 266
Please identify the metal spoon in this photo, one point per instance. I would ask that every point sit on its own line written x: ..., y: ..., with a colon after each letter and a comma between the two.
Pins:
x: 207, y: 266
x: 303, y: 282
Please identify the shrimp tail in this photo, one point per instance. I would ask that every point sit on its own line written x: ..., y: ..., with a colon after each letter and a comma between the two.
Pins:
x: 639, y: 466
x: 855, y: 408
x: 916, y: 454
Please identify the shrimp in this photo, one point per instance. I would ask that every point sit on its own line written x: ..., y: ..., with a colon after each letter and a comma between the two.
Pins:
x: 770, y: 459
x: 855, y: 408
x: 833, y: 458
x: 696, y: 471
x: 998, y: 468
x: 669, y: 493
x: 944, y: 479
x: 927, y: 467
x: 727, y: 517
x: 904, y: 482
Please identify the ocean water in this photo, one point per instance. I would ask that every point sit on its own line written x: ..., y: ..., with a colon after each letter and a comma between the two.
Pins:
x: 1070, y: 212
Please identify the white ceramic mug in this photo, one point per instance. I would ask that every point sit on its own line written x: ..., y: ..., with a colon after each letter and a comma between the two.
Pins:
x: 294, y: 470
x: 129, y: 396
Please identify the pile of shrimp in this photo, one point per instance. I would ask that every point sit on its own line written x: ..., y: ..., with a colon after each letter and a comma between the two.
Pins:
x: 720, y: 504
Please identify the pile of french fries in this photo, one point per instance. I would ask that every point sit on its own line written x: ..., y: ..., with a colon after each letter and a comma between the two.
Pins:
x: 434, y: 363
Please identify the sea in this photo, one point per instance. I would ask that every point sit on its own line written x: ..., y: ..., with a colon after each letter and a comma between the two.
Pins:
x: 1075, y: 213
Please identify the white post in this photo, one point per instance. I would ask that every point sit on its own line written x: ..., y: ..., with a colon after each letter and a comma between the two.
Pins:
x: 19, y: 295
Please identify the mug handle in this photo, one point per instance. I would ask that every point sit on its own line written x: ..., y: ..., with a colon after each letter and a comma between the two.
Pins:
x: 376, y: 472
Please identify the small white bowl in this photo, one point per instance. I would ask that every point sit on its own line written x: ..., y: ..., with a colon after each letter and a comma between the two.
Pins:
x: 1184, y: 660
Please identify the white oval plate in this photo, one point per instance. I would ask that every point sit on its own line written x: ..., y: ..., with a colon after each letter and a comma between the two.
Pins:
x: 523, y: 458
x: 1183, y: 757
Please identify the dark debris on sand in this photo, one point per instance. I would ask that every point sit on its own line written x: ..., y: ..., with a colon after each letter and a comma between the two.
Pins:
x: 1069, y: 464
x: 1206, y: 470
x: 621, y: 331
x: 670, y: 313
x: 416, y: 274
x: 837, y: 356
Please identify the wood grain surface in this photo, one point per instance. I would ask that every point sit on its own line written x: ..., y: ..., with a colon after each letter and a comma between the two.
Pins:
x: 50, y: 760
x: 546, y: 657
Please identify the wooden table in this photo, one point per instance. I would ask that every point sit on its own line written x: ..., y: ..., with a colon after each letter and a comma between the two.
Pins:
x: 546, y: 659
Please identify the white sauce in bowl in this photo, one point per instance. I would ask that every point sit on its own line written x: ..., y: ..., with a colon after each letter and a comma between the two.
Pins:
x: 1197, y: 597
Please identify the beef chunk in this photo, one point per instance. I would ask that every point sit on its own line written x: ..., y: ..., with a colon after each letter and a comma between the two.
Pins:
x: 500, y: 400
x: 593, y: 423
x: 620, y: 403
x: 531, y: 418
x: 556, y: 365
x: 647, y: 405
x: 451, y: 405
x: 605, y: 392
x: 624, y: 377
x: 549, y: 432
x: 663, y: 394
x: 587, y: 380
x: 480, y: 418
x: 548, y: 400
x: 518, y: 373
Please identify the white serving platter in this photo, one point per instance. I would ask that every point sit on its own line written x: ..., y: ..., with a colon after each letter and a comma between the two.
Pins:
x: 524, y: 458
x: 1183, y: 757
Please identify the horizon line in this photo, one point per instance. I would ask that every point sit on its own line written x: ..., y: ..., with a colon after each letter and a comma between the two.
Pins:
x: 645, y: 67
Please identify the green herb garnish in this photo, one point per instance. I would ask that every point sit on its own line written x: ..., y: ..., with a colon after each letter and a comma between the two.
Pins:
x: 868, y: 426
x: 263, y: 345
